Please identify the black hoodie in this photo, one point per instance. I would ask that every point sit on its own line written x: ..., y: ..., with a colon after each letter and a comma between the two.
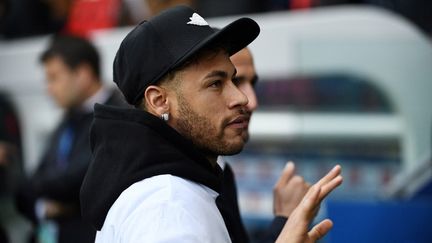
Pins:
x: 130, y: 145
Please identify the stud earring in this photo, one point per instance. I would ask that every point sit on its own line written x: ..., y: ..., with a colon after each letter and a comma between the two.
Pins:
x: 165, y: 116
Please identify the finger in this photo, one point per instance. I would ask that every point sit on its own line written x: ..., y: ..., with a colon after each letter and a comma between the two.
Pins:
x: 311, y: 199
x: 320, y: 230
x: 315, y: 194
x: 330, y: 175
x: 330, y: 186
x: 287, y: 173
x: 316, y: 211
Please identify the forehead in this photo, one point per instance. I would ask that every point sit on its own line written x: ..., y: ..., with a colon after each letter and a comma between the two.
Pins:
x: 55, y: 62
x: 243, y: 57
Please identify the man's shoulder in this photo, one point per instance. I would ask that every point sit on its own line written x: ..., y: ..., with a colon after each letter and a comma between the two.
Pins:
x: 164, y: 204
x: 166, y: 189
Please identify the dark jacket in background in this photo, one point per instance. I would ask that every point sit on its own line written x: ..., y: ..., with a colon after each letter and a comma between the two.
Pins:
x: 63, y: 184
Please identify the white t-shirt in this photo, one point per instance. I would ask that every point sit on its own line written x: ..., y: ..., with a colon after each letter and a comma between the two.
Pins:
x: 164, y: 208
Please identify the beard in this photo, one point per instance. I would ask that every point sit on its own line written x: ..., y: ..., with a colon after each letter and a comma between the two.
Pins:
x: 205, y: 135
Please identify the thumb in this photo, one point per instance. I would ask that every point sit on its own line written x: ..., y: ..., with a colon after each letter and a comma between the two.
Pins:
x: 319, y: 230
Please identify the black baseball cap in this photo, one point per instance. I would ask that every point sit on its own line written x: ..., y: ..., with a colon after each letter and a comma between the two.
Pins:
x: 159, y: 45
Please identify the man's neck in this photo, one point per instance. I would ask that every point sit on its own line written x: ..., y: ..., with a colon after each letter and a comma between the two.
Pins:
x: 93, y: 89
x: 210, y: 157
x: 98, y: 94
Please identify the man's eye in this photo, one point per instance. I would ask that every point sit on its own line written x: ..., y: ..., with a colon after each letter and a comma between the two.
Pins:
x: 216, y: 84
x: 236, y: 81
x: 254, y: 81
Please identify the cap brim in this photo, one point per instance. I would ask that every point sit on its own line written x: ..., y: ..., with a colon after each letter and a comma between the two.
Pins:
x: 234, y: 37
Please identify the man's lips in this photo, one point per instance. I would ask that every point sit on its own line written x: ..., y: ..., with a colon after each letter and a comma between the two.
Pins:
x: 241, y: 121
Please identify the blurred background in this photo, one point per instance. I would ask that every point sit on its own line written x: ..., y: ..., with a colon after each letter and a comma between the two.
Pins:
x: 341, y: 82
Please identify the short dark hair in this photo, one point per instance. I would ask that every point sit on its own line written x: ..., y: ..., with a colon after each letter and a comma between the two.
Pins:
x: 73, y: 50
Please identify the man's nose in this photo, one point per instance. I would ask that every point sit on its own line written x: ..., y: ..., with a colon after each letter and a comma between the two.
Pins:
x: 238, y: 98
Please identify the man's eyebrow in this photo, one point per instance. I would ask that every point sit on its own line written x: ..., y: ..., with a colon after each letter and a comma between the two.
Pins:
x: 216, y: 73
x: 219, y: 73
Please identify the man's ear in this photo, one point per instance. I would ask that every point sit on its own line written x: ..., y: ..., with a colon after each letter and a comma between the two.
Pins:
x: 156, y: 99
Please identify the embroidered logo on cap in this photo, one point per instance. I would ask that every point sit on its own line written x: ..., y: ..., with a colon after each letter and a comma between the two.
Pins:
x: 196, y: 19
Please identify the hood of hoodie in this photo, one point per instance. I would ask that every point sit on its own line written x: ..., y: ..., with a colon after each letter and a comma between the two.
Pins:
x: 130, y: 145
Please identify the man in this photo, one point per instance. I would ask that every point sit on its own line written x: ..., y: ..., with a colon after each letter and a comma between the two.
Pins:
x: 51, y: 194
x: 154, y: 177
x: 288, y: 191
x: 10, y: 162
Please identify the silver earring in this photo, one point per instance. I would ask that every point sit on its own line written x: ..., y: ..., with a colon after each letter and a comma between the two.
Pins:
x: 165, y: 116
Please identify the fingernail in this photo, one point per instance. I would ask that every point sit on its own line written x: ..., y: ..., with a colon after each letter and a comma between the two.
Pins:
x: 288, y: 165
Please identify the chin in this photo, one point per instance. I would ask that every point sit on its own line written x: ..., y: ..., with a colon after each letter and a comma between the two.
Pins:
x: 231, y: 152
x: 230, y: 146
x: 233, y: 148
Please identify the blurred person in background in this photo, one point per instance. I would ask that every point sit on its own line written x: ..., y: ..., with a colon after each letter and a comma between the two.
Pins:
x: 50, y: 196
x: 10, y: 163
x: 289, y: 189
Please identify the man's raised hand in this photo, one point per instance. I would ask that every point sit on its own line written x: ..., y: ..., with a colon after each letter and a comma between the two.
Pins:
x: 296, y: 228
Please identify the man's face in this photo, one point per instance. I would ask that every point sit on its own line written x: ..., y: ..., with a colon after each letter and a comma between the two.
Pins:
x: 209, y: 108
x: 246, y: 78
x: 61, y: 82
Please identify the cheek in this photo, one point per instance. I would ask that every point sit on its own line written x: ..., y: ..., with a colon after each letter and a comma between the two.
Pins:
x: 212, y: 117
x: 249, y: 91
x: 206, y: 108
x: 253, y: 102
x: 69, y: 86
x: 214, y: 113
x: 200, y: 104
x: 50, y: 88
x: 55, y: 88
x: 61, y: 89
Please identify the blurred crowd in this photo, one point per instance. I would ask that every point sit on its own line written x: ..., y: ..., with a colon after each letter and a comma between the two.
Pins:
x: 23, y: 18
